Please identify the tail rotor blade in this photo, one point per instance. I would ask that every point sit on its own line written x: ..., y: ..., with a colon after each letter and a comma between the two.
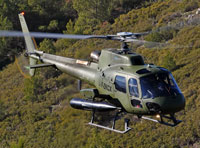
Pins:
x: 21, y: 62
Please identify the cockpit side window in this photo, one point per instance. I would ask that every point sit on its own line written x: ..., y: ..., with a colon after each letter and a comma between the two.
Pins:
x: 120, y: 83
x: 133, y: 87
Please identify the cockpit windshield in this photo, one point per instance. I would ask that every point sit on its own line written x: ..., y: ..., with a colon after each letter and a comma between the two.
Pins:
x: 159, y: 85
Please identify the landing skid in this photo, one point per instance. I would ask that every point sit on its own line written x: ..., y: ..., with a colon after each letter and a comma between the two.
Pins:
x: 161, y: 121
x: 126, y: 124
x: 172, y: 121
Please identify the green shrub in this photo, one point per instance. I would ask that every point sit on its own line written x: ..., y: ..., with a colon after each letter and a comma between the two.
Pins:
x: 191, y: 6
x: 168, y: 62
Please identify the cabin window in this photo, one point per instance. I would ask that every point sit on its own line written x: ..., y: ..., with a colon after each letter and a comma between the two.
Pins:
x: 120, y: 83
x: 133, y: 87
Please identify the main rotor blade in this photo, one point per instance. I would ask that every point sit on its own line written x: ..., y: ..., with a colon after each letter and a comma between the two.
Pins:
x: 4, y: 33
x: 147, y: 44
x: 156, y: 45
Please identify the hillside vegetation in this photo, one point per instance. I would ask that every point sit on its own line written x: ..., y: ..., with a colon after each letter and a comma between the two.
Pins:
x: 36, y: 112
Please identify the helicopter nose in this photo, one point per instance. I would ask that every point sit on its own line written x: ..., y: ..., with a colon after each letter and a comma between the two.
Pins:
x: 166, y: 105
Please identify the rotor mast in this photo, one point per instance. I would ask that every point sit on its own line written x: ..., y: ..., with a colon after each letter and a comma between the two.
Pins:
x: 123, y: 37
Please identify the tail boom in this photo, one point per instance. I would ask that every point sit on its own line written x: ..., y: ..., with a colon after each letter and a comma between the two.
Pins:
x: 76, y: 68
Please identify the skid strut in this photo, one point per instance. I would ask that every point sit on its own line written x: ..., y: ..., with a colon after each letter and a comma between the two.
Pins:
x: 126, y: 124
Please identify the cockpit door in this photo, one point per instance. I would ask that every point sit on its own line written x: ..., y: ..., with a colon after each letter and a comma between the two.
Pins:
x: 120, y: 91
x: 134, y: 94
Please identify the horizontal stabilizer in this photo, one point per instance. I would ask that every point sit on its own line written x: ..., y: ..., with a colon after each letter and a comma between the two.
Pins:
x: 39, y: 66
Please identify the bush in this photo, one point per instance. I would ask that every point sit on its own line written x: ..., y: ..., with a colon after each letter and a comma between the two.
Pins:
x: 169, y: 63
x: 191, y: 6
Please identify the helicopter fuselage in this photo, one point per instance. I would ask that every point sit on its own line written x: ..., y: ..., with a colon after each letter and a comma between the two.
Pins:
x: 124, y: 80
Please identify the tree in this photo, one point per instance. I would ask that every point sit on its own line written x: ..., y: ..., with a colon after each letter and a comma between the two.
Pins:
x: 91, y: 13
x: 47, y: 46
x: 4, y: 25
x: 5, y: 50
x: 33, y: 89
x: 52, y: 15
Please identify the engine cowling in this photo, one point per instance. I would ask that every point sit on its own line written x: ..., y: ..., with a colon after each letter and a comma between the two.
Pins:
x: 95, y: 55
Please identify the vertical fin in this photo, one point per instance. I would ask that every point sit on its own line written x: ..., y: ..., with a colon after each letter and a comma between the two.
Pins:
x: 29, y: 42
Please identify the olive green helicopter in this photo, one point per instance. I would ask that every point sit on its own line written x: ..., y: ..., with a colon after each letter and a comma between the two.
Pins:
x: 121, y: 79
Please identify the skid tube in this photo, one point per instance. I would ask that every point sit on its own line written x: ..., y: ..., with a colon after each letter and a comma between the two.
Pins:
x: 161, y: 121
x: 126, y: 124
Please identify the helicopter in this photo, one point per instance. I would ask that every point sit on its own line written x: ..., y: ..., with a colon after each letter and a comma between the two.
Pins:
x: 121, y: 79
